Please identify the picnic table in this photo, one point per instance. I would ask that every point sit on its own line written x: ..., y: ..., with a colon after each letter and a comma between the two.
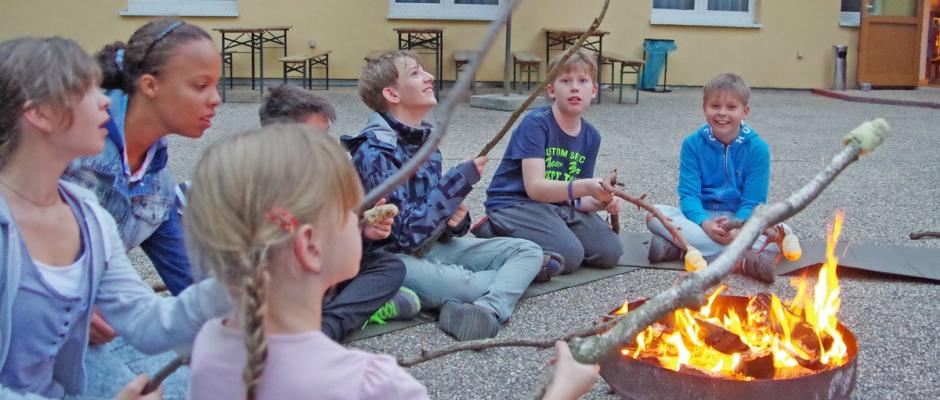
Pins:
x: 425, y: 40
x: 561, y: 38
x: 252, y: 40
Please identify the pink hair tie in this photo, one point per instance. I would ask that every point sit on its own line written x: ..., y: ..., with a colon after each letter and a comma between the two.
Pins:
x: 283, y: 218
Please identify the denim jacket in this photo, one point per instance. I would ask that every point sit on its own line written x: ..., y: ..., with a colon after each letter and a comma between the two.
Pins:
x: 428, y: 199
x: 146, y: 210
x: 151, y: 323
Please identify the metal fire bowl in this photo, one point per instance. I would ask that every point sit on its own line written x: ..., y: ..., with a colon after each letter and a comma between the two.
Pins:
x: 639, y: 380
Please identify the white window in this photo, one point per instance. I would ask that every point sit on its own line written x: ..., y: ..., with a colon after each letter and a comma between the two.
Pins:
x: 445, y: 9
x: 851, y: 13
x: 732, y: 13
x: 183, y: 8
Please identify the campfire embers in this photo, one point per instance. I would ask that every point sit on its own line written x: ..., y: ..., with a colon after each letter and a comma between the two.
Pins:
x: 737, y: 347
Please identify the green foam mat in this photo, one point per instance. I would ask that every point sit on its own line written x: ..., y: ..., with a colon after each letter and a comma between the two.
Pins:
x: 583, y: 276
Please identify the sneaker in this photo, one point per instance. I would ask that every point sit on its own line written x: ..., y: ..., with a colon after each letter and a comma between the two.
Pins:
x: 468, y: 321
x: 483, y: 229
x: 552, y: 265
x: 403, y: 305
x: 663, y: 250
x: 757, y: 265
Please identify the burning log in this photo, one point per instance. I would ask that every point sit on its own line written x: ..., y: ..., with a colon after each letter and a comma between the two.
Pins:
x: 757, y: 365
x: 720, y: 338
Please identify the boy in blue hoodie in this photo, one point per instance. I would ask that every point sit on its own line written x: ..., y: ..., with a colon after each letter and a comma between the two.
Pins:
x: 474, y: 282
x: 724, y: 172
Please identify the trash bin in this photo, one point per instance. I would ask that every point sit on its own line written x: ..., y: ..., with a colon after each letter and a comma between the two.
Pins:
x: 656, y: 52
x: 838, y: 82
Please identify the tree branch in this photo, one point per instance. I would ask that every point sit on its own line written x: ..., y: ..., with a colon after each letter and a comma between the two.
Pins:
x: 445, y: 111
x: 550, y: 77
x: 407, y: 170
x: 483, y: 344
x: 690, y: 292
x: 924, y: 234
x: 165, y: 372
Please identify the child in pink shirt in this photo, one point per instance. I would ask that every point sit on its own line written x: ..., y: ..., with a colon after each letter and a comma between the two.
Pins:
x: 273, y: 222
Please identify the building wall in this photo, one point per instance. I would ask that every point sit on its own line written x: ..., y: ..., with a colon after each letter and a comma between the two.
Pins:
x: 792, y: 49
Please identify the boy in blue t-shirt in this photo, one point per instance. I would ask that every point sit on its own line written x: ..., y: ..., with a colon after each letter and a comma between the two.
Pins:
x: 724, y: 172
x: 544, y: 189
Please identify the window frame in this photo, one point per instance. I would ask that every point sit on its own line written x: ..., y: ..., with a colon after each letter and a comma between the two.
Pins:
x: 851, y: 19
x: 444, y: 10
x: 700, y: 15
x: 182, y: 8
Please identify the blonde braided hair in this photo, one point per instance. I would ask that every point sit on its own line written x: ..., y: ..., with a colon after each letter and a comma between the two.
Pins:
x: 240, y: 187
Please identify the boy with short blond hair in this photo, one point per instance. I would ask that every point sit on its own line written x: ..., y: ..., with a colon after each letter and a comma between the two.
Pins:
x: 724, y: 172
x: 375, y: 294
x: 474, y: 282
x: 544, y: 189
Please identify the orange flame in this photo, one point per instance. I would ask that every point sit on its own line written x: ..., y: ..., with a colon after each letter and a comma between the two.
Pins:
x: 801, y: 335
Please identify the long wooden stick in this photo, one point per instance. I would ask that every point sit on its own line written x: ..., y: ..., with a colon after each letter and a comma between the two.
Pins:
x: 690, y: 291
x: 445, y: 110
x: 720, y: 268
x: 165, y: 372
x: 550, y: 76
x: 407, y: 170
x: 924, y: 234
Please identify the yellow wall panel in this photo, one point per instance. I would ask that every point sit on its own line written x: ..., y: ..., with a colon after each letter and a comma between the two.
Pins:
x: 792, y: 49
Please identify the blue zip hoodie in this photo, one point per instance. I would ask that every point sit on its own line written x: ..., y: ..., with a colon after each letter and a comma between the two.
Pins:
x: 715, y: 176
x: 428, y: 200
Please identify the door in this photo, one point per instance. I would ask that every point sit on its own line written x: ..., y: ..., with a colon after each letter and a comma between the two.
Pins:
x: 889, y: 42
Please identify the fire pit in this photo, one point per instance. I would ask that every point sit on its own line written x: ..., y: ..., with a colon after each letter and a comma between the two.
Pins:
x: 744, y: 347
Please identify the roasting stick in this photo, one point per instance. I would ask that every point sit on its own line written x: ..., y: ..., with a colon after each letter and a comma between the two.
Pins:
x: 550, y: 76
x: 407, y: 170
x: 861, y: 140
x: 690, y: 292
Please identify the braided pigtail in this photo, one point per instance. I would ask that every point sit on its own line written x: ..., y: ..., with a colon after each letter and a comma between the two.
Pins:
x: 254, y: 306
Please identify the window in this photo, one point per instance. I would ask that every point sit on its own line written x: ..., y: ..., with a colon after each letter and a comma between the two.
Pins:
x: 445, y: 9
x: 183, y: 8
x: 851, y: 13
x: 732, y: 13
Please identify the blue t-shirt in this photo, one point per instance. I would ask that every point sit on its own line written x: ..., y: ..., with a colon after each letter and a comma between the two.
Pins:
x: 538, y: 136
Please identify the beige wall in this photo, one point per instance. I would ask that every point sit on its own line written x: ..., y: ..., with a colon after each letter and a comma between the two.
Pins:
x: 766, y: 57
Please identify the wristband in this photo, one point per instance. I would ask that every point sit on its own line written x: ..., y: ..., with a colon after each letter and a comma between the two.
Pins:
x: 574, y: 202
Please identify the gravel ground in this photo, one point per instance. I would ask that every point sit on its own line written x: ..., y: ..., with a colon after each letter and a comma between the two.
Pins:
x: 885, y: 196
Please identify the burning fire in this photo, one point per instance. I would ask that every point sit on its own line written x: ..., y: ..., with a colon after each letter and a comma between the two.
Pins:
x: 771, y: 339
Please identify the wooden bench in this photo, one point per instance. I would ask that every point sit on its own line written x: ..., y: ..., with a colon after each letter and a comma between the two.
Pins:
x: 304, y: 64
x: 461, y: 59
x: 526, y: 62
x: 227, y: 62
x: 627, y: 66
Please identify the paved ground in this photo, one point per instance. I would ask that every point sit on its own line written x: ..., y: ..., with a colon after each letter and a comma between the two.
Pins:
x: 886, y: 195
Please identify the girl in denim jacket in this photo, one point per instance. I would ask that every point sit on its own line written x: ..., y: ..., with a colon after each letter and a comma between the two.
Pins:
x: 60, y: 252
x: 162, y: 81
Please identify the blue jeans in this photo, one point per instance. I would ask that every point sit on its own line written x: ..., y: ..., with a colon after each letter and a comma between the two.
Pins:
x: 694, y: 234
x: 492, y: 273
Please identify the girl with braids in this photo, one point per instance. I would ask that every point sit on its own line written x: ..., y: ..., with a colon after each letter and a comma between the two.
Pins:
x: 277, y: 232
x: 60, y: 251
x: 162, y: 81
